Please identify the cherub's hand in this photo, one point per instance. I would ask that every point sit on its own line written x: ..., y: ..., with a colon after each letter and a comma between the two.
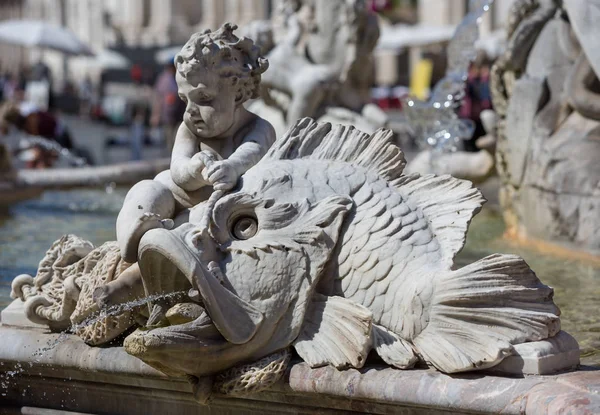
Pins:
x: 222, y: 175
x: 199, y: 163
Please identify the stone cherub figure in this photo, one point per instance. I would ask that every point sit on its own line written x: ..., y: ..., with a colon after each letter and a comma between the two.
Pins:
x: 216, y: 143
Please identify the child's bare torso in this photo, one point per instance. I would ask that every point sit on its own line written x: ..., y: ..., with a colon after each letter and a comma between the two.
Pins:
x: 224, y: 147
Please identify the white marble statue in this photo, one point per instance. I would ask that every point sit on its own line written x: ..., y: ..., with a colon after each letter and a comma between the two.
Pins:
x: 545, y: 91
x: 322, y: 64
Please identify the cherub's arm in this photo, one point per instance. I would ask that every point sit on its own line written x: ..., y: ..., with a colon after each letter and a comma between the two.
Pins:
x: 225, y: 174
x: 253, y: 147
x: 185, y: 168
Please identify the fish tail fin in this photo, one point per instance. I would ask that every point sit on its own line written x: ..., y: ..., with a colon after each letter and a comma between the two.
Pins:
x: 478, y: 312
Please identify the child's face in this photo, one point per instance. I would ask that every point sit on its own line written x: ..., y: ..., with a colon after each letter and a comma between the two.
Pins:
x: 210, y: 103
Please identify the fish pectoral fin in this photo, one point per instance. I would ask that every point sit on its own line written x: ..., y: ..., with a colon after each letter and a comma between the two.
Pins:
x: 393, y: 349
x: 335, y: 331
x: 236, y: 319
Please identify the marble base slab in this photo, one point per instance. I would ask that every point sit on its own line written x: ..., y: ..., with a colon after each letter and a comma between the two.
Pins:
x: 75, y: 377
x: 557, y: 354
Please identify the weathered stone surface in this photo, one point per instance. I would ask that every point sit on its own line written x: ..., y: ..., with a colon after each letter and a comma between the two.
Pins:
x: 320, y: 244
x: 475, y: 167
x: 26, y: 184
x: 14, y: 315
x: 515, y: 150
x: 286, y: 260
x: 120, y: 174
x: 77, y: 377
x: 544, y: 88
x: 108, y: 380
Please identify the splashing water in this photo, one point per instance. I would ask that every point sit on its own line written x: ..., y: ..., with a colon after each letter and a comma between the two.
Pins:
x: 104, y: 313
x: 7, y: 376
x: 117, y: 309
x: 434, y: 122
x: 50, y: 145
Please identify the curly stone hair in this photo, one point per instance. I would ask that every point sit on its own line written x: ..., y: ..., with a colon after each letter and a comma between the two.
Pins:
x: 214, y: 49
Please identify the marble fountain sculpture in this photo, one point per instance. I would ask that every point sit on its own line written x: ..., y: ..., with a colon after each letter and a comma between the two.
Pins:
x: 316, y: 245
x: 321, y: 55
x: 545, y: 90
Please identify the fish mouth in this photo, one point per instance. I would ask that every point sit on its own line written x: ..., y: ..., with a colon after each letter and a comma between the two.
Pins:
x: 173, y: 262
x: 170, y: 263
x: 170, y: 342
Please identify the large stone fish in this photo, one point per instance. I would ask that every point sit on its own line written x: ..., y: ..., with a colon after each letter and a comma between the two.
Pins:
x: 326, y: 246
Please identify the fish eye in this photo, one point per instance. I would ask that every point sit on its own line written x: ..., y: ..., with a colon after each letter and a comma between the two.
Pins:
x: 244, y: 227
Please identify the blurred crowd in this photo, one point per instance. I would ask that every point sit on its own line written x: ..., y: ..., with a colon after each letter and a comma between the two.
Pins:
x: 27, y: 109
x: 31, y: 107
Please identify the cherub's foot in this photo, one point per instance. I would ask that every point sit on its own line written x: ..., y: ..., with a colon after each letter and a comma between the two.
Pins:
x: 143, y: 224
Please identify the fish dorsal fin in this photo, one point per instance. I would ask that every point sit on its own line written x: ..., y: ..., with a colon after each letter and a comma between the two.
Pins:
x: 448, y: 203
x: 322, y: 141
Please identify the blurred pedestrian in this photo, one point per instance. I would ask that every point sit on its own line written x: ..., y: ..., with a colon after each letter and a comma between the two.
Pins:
x: 9, y: 87
x: 36, y: 156
x: 86, y: 96
x: 477, y: 98
x: 167, y: 108
x: 138, y: 132
x: 40, y: 72
x: 136, y: 73
x: 33, y: 121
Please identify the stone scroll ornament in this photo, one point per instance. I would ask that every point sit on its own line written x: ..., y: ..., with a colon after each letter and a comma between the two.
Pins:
x: 326, y: 248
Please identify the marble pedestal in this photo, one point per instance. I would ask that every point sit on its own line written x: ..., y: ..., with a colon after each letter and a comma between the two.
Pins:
x: 75, y: 377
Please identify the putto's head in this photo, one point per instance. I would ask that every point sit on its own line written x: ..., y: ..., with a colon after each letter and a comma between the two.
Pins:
x: 216, y: 73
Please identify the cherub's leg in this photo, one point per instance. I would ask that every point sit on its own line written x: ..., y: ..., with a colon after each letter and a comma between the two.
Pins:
x: 183, y: 199
x: 148, y: 205
x: 127, y: 287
